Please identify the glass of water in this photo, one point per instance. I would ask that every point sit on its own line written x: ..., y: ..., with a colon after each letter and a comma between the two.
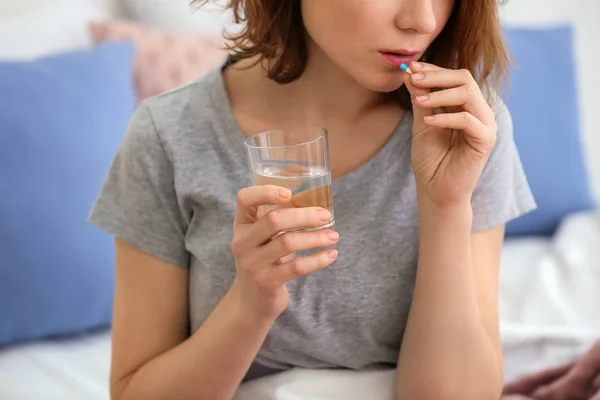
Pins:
x: 297, y: 159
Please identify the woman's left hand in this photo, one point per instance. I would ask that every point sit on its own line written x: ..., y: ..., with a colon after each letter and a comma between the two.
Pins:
x: 449, y: 149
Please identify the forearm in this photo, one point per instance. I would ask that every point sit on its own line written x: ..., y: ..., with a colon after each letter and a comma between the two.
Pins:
x: 446, y: 350
x: 210, y: 364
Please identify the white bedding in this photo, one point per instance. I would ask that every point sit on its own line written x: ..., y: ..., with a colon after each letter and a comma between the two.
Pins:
x: 550, y: 295
x: 71, y: 369
x: 550, y: 304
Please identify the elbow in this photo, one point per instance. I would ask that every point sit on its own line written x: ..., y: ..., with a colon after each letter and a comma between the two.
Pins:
x: 479, y: 378
x: 122, y: 389
x: 448, y: 394
x: 125, y: 389
x: 428, y: 388
x: 118, y: 389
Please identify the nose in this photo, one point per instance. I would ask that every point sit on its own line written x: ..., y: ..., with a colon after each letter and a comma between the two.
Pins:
x: 417, y: 16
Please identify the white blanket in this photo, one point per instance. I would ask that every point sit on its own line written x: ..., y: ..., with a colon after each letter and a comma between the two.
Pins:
x: 550, y: 303
x: 550, y: 295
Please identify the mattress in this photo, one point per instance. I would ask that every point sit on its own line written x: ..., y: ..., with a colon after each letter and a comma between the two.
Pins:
x: 548, y: 309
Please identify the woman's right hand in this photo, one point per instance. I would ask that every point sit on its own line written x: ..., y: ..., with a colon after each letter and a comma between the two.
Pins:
x: 260, y: 253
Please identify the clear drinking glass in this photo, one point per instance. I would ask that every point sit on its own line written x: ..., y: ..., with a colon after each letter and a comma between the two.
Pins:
x: 297, y: 159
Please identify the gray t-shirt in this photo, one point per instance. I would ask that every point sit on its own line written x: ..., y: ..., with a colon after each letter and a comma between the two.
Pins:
x: 171, y: 192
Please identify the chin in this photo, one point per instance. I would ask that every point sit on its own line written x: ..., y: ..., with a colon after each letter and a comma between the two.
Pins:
x: 384, y: 82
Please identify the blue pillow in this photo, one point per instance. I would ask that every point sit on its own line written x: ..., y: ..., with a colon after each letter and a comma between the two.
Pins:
x: 543, y: 103
x: 61, y: 121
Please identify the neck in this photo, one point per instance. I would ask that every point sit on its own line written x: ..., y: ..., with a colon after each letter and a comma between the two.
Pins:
x: 325, y: 89
x: 322, y: 95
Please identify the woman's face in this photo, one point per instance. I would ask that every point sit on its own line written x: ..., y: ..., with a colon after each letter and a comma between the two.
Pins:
x: 369, y: 39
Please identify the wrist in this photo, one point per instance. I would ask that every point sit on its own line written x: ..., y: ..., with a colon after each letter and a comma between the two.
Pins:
x: 457, y: 210
x: 247, y: 311
x: 442, y: 200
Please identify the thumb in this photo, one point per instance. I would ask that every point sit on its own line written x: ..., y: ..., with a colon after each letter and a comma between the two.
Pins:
x: 418, y: 112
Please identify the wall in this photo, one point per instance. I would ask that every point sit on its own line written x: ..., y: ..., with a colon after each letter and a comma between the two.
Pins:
x: 585, y: 16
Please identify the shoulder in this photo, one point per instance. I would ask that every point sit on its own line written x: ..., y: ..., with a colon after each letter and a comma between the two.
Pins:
x: 504, y: 150
x: 187, y: 113
x: 505, y: 144
x: 187, y: 106
x: 503, y: 117
x: 502, y: 192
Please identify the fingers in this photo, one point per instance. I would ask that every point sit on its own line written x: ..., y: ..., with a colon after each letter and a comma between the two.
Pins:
x: 586, y: 369
x: 462, y: 96
x: 543, y: 393
x: 412, y: 88
x: 479, y: 136
x: 442, y: 78
x: 549, y: 375
x: 419, y: 112
x: 596, y: 383
x: 272, y: 264
x: 575, y: 384
x: 461, y: 90
x: 284, y: 219
x: 303, y: 265
x: 291, y: 242
x: 529, y: 383
x: 250, y: 198
x: 423, y: 66
x: 592, y: 357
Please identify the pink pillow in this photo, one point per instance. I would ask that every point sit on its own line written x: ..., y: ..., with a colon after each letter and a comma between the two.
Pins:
x: 164, y: 60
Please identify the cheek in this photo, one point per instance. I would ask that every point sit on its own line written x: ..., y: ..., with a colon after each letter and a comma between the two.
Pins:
x: 442, y: 9
x: 320, y: 19
x: 347, y: 32
x: 335, y: 25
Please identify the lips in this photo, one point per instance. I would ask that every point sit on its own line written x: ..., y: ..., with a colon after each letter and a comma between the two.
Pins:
x: 398, y: 57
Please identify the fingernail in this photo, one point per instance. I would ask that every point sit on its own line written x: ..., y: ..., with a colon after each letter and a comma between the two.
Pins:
x: 418, y: 76
x: 423, y: 98
x: 324, y: 215
x: 416, y: 64
x: 333, y: 236
x: 284, y: 193
x: 332, y: 254
x: 541, y: 392
x: 429, y: 118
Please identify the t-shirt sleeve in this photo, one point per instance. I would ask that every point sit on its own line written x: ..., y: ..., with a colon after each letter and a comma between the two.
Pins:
x: 137, y: 202
x: 502, y: 193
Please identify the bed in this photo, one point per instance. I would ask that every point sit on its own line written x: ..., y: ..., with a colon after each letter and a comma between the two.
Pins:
x: 549, y: 303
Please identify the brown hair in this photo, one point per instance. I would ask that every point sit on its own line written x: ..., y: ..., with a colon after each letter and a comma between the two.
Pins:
x: 274, y: 31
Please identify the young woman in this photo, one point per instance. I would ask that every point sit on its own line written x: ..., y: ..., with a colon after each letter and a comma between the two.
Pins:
x: 425, y: 175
